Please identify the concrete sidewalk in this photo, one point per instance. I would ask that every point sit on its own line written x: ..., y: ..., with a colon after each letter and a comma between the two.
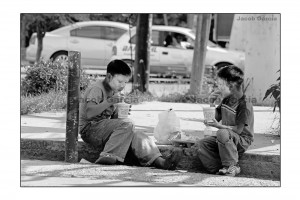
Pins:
x: 54, y: 173
x: 51, y: 127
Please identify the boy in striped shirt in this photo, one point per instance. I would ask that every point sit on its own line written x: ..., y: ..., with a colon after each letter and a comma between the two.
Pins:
x: 234, y: 118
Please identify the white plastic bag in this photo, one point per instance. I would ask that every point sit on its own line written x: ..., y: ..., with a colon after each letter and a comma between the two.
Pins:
x: 168, y: 126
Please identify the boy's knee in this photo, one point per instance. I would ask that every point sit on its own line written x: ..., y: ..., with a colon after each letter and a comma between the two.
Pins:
x: 223, y: 135
x: 139, y: 135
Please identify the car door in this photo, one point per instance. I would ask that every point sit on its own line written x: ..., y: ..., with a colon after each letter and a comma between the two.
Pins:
x: 171, y: 58
x: 189, y: 54
x: 154, y: 54
x: 88, y: 41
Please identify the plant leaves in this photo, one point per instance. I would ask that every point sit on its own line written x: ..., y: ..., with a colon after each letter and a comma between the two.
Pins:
x: 268, y: 92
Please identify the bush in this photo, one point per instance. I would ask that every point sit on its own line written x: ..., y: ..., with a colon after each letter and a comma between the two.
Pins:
x: 45, y: 76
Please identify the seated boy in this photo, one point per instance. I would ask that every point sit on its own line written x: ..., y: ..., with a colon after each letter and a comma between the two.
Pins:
x: 100, y: 127
x: 220, y: 154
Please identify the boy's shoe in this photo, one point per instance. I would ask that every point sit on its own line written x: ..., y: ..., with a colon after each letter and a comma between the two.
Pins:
x: 106, y: 160
x: 233, y: 170
x: 222, y: 171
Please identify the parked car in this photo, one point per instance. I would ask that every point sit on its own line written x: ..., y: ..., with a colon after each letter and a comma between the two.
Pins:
x: 171, y: 51
x: 94, y: 39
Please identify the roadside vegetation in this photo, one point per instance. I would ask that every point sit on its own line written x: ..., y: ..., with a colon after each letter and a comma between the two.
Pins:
x: 274, y: 92
x: 44, y: 88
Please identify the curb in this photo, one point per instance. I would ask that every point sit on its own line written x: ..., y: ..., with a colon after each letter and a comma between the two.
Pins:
x: 252, y: 165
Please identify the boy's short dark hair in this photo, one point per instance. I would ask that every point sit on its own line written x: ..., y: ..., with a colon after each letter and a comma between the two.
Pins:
x: 231, y: 73
x: 118, y: 67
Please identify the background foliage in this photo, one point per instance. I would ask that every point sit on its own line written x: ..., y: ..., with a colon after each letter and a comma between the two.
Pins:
x: 44, y: 76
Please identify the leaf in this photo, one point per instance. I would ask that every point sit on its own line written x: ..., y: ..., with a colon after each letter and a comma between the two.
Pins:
x: 268, y: 92
x: 276, y: 93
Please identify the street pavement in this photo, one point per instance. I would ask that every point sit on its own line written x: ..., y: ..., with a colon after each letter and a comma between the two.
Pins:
x: 54, y: 173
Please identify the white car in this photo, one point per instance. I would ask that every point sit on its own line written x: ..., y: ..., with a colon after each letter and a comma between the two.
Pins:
x: 94, y: 39
x: 171, y: 51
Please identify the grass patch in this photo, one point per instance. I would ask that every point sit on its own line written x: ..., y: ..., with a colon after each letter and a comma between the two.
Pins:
x: 54, y: 100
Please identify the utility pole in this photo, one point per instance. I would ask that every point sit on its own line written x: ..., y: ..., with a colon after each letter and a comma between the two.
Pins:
x: 142, y: 53
x: 198, y: 67
x: 71, y: 153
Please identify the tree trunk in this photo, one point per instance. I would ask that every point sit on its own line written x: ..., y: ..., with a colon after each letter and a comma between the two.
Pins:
x: 142, y: 53
x: 40, y: 35
x: 23, y: 36
x: 166, y: 19
x: 198, y: 67
x: 190, y: 20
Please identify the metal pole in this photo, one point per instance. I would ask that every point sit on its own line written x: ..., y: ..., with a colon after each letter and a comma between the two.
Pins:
x: 71, y: 153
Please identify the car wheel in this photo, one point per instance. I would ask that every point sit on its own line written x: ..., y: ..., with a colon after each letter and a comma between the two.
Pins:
x: 221, y: 65
x: 61, y: 57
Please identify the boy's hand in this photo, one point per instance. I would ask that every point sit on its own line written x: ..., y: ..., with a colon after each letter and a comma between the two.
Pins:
x: 116, y: 98
x: 109, y: 111
x: 214, y: 96
x: 214, y: 123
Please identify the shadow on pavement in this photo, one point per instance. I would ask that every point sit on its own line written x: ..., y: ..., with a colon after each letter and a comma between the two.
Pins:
x: 111, y: 175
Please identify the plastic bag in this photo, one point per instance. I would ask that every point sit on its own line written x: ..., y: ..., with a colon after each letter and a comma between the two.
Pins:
x: 168, y: 127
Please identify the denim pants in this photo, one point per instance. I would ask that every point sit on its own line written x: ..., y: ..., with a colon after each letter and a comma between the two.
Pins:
x: 117, y: 136
x: 221, y: 150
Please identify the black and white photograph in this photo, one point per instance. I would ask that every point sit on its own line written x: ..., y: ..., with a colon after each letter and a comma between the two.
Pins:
x: 150, y: 99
